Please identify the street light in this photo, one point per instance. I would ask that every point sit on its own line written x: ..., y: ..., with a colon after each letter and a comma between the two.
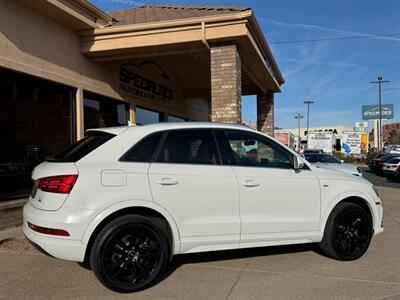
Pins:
x: 298, y: 117
x: 308, y: 102
x: 379, y: 82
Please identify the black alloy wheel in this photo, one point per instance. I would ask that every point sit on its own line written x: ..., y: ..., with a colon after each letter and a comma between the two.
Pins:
x: 348, y: 232
x: 130, y: 253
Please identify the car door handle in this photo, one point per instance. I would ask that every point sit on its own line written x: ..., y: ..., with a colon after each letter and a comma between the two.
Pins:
x: 168, y: 181
x: 250, y: 183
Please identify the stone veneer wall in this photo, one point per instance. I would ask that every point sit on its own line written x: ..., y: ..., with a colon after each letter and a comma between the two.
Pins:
x: 226, y: 81
x: 265, y: 113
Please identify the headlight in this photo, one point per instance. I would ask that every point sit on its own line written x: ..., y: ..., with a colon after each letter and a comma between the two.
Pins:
x: 375, y: 190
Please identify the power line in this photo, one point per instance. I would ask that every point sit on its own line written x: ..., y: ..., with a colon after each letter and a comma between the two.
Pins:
x: 335, y: 38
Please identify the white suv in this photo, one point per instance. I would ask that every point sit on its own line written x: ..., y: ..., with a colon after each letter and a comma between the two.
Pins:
x: 127, y: 199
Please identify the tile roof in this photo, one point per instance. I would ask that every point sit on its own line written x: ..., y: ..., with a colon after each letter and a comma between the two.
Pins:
x: 156, y: 13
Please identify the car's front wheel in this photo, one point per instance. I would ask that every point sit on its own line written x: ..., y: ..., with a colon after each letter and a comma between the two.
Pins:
x: 348, y: 232
x: 130, y: 253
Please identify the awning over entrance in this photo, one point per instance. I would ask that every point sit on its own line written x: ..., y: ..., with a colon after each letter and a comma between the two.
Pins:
x: 183, y: 33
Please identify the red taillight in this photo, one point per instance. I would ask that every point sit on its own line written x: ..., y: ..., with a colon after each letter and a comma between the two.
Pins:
x: 57, y: 184
x: 45, y: 230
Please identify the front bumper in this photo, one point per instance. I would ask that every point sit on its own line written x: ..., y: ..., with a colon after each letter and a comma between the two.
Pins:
x: 378, y: 226
x: 75, y: 221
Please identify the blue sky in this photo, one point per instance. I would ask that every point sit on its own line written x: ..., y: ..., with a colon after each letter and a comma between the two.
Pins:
x: 333, y: 73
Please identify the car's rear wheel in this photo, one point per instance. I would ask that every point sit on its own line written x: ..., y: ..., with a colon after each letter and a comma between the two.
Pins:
x: 348, y: 232
x: 130, y: 253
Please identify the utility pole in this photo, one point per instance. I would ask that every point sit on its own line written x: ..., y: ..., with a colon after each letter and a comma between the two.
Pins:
x: 379, y: 82
x: 298, y: 117
x: 308, y: 102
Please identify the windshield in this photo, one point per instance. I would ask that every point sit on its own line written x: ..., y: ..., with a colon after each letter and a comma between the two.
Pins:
x: 322, y: 158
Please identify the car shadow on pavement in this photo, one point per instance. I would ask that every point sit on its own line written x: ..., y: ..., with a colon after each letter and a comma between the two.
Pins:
x: 224, y: 255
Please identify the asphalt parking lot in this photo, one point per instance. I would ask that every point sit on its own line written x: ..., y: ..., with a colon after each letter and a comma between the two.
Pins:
x: 289, y: 272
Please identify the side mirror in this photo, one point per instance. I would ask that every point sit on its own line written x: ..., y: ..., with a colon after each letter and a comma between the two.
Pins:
x: 342, y: 161
x: 298, y: 163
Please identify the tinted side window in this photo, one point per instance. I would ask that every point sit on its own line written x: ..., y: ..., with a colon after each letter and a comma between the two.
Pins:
x: 254, y: 151
x: 189, y: 147
x: 143, y: 151
x: 83, y: 147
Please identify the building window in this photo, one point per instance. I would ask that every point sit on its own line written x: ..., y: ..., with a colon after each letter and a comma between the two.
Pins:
x: 101, y: 111
x: 36, y: 122
x: 145, y: 116
x: 175, y: 119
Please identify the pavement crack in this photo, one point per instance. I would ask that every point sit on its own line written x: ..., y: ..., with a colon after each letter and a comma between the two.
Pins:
x: 291, y: 274
x: 237, y: 280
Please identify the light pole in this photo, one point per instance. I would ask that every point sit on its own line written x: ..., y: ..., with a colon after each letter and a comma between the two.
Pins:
x: 298, y: 117
x: 308, y: 102
x: 379, y: 82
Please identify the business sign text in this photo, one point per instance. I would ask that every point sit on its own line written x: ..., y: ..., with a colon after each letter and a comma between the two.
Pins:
x: 371, y: 112
x: 146, y: 81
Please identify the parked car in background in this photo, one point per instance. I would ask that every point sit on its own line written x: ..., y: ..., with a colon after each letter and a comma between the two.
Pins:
x: 391, y: 166
x: 331, y: 162
x: 376, y: 164
x: 127, y: 199
x: 312, y: 151
x: 392, y: 149
x: 397, y: 172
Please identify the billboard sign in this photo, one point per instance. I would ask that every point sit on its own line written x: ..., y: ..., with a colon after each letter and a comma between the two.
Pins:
x: 352, y: 142
x: 321, y: 140
x: 371, y: 112
x: 361, y: 124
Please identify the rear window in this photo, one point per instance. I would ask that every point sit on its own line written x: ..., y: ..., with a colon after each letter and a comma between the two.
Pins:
x: 83, y: 147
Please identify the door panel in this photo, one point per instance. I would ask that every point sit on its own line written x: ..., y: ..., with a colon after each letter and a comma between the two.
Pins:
x: 187, y: 179
x: 276, y: 201
x: 203, y: 199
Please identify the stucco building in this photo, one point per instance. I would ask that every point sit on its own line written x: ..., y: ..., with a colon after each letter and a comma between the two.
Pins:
x: 66, y: 66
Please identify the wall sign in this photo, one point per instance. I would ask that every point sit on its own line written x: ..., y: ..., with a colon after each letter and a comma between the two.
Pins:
x: 352, y: 142
x: 198, y: 105
x: 147, y: 81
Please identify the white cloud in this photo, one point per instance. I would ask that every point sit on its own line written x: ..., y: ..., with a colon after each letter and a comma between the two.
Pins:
x: 323, y: 28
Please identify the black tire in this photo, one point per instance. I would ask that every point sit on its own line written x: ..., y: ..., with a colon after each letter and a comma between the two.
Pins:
x: 348, y: 232
x: 130, y: 253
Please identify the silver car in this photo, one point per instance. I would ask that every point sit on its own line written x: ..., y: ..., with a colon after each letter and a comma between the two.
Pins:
x: 330, y: 162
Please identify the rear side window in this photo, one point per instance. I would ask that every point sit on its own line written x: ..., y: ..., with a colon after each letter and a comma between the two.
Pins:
x: 190, y: 147
x: 143, y: 151
x: 83, y: 147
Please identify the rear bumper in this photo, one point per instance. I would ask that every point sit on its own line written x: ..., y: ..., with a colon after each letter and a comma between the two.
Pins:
x: 56, y: 247
x: 74, y: 221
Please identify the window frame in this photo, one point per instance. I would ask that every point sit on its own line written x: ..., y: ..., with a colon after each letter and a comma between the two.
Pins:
x: 223, y: 143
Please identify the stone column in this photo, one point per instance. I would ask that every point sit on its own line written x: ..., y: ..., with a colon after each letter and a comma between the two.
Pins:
x: 132, y: 113
x: 265, y: 113
x: 226, y: 84
x: 79, y: 110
